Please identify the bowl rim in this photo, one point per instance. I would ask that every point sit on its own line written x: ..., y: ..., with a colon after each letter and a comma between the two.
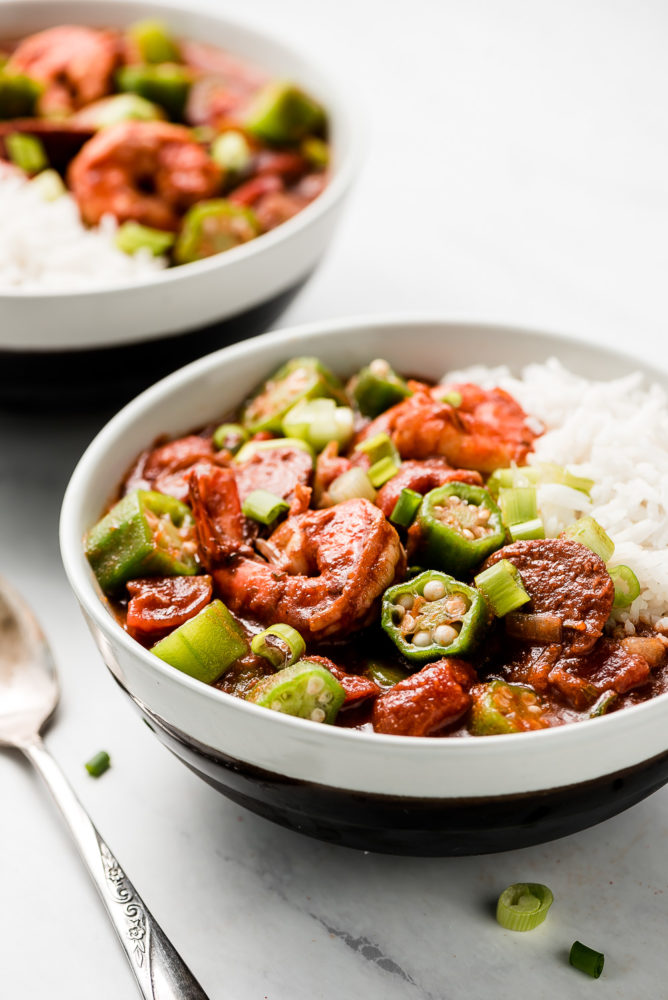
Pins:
x: 83, y: 584
x: 340, y: 180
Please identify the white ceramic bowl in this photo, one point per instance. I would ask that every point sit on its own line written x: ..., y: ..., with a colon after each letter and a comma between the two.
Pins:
x: 432, y: 796
x: 198, y: 294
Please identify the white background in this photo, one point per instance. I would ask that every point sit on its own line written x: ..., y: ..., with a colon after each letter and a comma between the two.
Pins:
x: 516, y: 170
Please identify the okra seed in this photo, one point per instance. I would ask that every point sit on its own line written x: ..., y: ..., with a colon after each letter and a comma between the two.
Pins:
x: 317, y: 715
x: 406, y: 601
x: 422, y: 638
x: 399, y: 612
x: 456, y: 607
x: 445, y: 634
x: 379, y: 367
x: 409, y: 624
x: 314, y: 685
x: 325, y: 698
x: 434, y: 590
x: 467, y: 533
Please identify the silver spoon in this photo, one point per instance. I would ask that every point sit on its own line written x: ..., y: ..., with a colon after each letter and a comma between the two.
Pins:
x: 28, y: 697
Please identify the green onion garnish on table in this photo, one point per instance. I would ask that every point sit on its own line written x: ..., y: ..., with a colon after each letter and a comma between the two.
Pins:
x: 523, y: 906
x: 586, y: 959
x: 264, y: 506
x: 502, y: 587
x: 98, y: 764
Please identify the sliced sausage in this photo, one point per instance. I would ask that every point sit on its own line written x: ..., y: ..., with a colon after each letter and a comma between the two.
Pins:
x: 278, y: 470
x: 566, y: 579
x: 579, y: 680
x: 426, y: 702
x: 422, y: 477
x: 167, y: 468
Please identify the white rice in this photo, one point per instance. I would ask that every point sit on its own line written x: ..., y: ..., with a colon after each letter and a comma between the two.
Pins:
x: 44, y: 245
x: 615, y: 433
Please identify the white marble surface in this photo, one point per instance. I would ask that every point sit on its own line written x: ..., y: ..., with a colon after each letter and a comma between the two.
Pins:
x: 528, y: 182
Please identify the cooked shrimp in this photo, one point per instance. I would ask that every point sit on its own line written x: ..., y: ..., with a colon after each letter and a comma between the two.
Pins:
x: 422, y: 477
x: 76, y: 64
x: 150, y: 172
x: 327, y: 570
x: 486, y: 431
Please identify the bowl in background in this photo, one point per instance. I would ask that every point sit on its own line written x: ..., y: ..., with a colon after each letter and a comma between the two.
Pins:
x: 405, y: 795
x: 110, y: 341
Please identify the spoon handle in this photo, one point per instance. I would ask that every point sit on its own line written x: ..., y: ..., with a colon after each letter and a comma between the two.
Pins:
x: 160, y: 971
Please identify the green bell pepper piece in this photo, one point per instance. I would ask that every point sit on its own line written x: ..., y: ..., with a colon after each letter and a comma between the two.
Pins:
x: 211, y: 227
x: 18, y: 95
x: 306, y: 690
x: 499, y: 708
x: 144, y: 534
x: 165, y: 84
x: 205, y: 646
x: 299, y: 378
x: 433, y: 615
x: 153, y: 42
x: 457, y: 526
x: 377, y: 387
x: 282, y: 113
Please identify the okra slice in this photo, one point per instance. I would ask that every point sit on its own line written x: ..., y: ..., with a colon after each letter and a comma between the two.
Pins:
x: 298, y: 379
x: 165, y: 84
x: 144, y: 534
x: 377, y: 387
x: 205, y: 646
x: 211, y: 227
x: 306, y: 690
x: 153, y: 42
x: 498, y: 707
x: 18, y: 95
x: 433, y: 615
x: 457, y: 526
x: 282, y: 113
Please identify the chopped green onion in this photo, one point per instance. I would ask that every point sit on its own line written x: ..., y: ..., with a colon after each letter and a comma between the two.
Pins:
x: 26, y: 151
x: 132, y: 236
x: 316, y: 152
x: 281, y: 644
x: 381, y: 471
x: 319, y: 421
x: 586, y: 959
x: 49, y: 185
x: 379, y: 446
x: 518, y: 504
x: 601, y: 706
x: 528, y: 529
x: 589, y: 532
x: 231, y: 151
x: 264, y: 506
x: 351, y: 484
x: 543, y: 472
x: 523, y: 906
x: 626, y: 584
x: 406, y: 507
x: 251, y: 448
x: 453, y: 398
x: 230, y: 437
x: 501, y: 585
x: 98, y: 764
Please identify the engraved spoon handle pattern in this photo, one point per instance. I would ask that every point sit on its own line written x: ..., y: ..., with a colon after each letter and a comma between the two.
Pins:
x: 159, y: 970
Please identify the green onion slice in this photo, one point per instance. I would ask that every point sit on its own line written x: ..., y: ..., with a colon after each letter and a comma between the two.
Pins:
x: 351, y: 484
x: 264, y: 506
x: 589, y: 532
x: 518, y: 504
x: 379, y: 446
x: 26, y: 151
x: 627, y: 586
x: 502, y: 587
x: 523, y: 906
x: 453, y: 398
x: 586, y: 959
x: 230, y: 437
x: 98, y: 764
x: 381, y: 471
x: 281, y: 644
x: 527, y: 529
x: 132, y: 236
x: 543, y: 472
x: 406, y: 507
